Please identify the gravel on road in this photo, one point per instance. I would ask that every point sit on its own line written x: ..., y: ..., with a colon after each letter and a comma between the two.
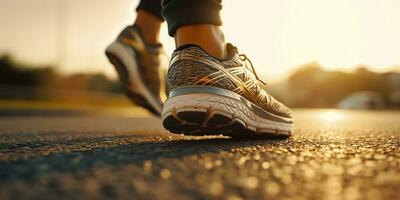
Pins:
x: 332, y: 155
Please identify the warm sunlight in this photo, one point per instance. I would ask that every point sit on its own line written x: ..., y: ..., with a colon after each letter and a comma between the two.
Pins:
x: 331, y: 116
x: 277, y: 35
x: 338, y: 34
x: 267, y: 99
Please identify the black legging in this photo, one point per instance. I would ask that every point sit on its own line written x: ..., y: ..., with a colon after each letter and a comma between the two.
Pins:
x: 179, y: 13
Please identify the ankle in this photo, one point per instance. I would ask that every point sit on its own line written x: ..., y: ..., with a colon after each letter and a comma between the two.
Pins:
x: 150, y: 26
x: 208, y: 37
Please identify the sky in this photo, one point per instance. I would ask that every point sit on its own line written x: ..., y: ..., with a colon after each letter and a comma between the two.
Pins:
x: 277, y: 36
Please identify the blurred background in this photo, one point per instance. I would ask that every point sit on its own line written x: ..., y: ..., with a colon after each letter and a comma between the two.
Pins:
x: 314, y: 54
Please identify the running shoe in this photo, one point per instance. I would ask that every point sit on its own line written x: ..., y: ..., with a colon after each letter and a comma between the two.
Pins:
x: 210, y: 96
x: 138, y: 64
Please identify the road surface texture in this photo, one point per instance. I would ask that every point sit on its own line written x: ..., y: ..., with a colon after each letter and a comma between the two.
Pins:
x: 332, y: 155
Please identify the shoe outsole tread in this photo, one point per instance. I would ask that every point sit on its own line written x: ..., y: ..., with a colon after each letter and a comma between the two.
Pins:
x: 199, y: 123
x: 185, y: 115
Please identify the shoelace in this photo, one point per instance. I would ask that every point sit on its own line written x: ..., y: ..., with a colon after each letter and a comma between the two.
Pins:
x: 244, y: 58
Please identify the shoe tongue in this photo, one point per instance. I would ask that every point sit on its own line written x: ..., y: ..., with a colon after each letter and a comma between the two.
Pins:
x: 231, y: 51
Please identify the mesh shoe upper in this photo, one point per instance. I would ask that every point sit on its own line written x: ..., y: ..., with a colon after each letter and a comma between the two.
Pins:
x: 191, y: 65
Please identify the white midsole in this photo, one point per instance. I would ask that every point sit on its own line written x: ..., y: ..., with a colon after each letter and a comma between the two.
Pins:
x: 225, y: 105
x: 127, y: 56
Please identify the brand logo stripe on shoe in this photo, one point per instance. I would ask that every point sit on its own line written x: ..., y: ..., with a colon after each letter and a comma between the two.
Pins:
x: 238, y: 82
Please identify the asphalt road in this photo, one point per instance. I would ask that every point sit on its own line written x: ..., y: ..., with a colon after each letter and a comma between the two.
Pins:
x: 332, y: 155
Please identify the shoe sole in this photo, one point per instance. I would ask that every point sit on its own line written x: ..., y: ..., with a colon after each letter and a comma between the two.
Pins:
x: 123, y: 60
x: 205, y: 110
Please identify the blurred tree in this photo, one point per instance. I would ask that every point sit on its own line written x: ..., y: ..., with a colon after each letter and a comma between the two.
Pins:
x: 27, y: 82
x: 312, y: 86
x: 12, y: 73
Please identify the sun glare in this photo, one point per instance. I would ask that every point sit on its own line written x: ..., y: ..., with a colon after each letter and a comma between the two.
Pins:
x: 331, y: 116
x: 278, y: 36
x: 281, y: 35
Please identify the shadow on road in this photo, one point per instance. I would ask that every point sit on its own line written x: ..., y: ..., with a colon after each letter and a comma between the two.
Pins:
x: 73, y: 157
